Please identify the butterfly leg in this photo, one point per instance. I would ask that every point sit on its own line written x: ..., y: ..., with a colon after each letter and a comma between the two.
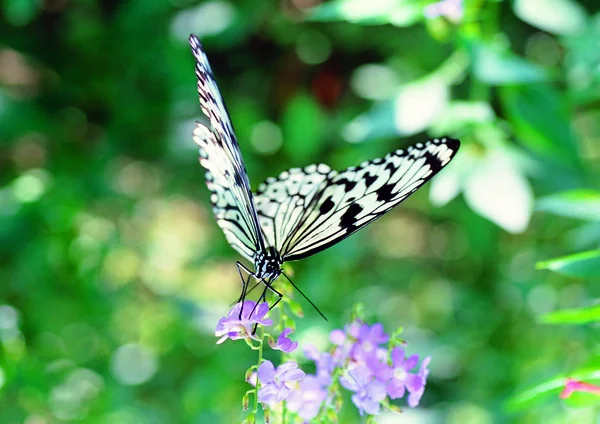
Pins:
x: 245, y: 283
x: 280, y: 296
x: 268, y: 286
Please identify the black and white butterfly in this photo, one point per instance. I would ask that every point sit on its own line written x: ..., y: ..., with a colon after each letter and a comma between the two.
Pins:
x: 304, y: 210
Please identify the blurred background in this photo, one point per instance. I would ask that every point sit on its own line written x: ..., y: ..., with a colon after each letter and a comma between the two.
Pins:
x: 113, y: 272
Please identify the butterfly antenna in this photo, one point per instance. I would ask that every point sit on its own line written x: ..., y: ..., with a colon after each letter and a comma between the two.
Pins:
x: 303, y: 295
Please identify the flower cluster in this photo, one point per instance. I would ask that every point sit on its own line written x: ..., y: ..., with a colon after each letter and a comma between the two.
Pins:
x: 362, y: 359
x: 364, y: 366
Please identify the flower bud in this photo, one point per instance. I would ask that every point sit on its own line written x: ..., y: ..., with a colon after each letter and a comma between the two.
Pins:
x: 245, y: 402
x: 248, y: 376
x: 267, y: 416
x: 250, y: 419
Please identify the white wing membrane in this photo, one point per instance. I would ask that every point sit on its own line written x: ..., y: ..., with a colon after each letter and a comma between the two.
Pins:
x: 282, y: 202
x: 338, y: 204
x: 226, y: 175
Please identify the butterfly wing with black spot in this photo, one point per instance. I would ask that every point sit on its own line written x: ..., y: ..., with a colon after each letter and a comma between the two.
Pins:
x: 226, y: 174
x: 344, y: 202
x: 282, y: 202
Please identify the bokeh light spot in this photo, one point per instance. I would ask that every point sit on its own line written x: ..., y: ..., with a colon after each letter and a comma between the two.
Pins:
x: 266, y: 137
x: 133, y: 364
x: 209, y: 18
x: 30, y: 186
x: 313, y: 47
x: 374, y: 82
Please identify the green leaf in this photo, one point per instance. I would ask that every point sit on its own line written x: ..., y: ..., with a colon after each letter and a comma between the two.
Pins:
x: 583, y: 265
x: 541, y: 121
x: 582, y: 56
x: 549, y: 388
x: 560, y: 17
x: 574, y: 316
x: 495, y: 67
x: 580, y: 204
x: 375, y: 12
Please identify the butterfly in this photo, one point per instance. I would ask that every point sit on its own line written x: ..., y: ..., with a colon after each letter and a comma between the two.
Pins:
x: 303, y: 210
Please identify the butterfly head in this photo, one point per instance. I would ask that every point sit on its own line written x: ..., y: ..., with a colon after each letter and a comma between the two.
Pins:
x: 267, y: 264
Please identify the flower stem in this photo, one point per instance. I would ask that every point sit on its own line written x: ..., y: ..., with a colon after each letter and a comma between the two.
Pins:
x: 260, y: 357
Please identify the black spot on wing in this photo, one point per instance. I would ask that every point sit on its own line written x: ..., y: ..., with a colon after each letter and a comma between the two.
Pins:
x: 348, y: 219
x: 348, y: 185
x: 390, y: 167
x: 369, y: 179
x: 385, y: 193
x: 326, y: 206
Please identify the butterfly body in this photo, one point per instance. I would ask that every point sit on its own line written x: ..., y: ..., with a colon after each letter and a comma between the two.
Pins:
x: 267, y: 264
x: 303, y: 210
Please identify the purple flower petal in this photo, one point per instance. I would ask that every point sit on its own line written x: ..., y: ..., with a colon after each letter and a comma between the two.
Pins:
x: 414, y: 399
x: 395, y: 389
x: 307, y: 398
x: 266, y: 372
x: 324, y: 362
x: 275, y: 383
x: 414, y: 383
x: 337, y: 337
x: 411, y: 362
x: 233, y: 327
x: 424, y: 371
x: 397, y: 356
x: 292, y: 375
x: 284, y: 343
x: 311, y: 352
x: 376, y: 390
x: 380, y: 369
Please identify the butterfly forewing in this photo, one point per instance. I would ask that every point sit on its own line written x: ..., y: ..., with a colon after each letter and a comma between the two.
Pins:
x: 226, y: 175
x: 347, y: 201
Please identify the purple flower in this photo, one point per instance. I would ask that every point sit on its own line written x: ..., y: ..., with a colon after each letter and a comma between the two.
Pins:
x: 343, y: 345
x: 368, y: 341
x: 451, y: 9
x: 324, y: 363
x: 403, y: 380
x: 337, y: 337
x: 234, y: 328
x: 275, y: 383
x: 284, y: 343
x: 307, y: 398
x: 378, y: 366
x: 368, y: 392
x: 415, y: 397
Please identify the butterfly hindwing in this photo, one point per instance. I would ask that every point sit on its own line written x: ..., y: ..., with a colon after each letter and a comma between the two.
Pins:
x: 226, y: 175
x: 349, y: 200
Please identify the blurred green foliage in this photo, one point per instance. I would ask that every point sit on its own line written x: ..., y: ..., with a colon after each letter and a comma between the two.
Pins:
x: 113, y: 273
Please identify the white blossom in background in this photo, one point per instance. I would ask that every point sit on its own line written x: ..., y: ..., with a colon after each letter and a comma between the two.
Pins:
x: 493, y: 184
x: 419, y: 103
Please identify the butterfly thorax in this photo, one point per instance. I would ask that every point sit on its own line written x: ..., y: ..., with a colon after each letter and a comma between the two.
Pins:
x: 267, y: 264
